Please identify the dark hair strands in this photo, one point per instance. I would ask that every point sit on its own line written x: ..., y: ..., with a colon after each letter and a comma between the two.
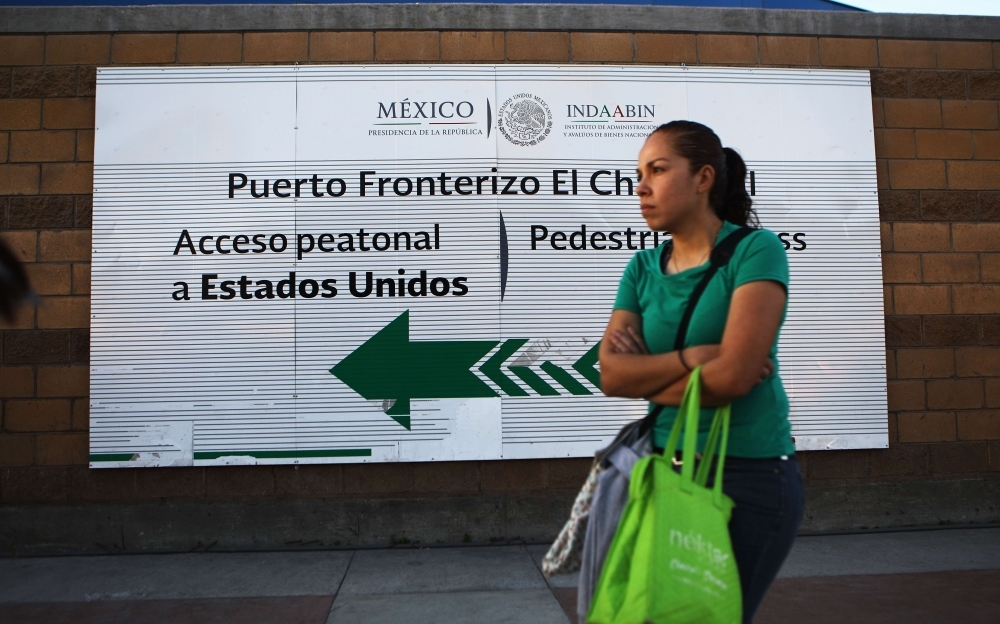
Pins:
x: 701, y: 146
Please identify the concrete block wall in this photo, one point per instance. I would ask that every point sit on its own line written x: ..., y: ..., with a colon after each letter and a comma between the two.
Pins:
x: 935, y: 107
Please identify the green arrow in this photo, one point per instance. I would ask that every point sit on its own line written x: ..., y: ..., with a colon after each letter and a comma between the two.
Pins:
x: 565, y: 379
x: 585, y: 365
x: 390, y: 366
x: 534, y: 381
x: 492, y: 367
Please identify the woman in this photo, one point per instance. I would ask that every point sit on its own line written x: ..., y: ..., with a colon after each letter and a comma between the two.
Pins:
x: 693, y: 188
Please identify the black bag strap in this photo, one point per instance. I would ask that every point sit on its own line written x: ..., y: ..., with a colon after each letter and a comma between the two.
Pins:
x: 720, y: 257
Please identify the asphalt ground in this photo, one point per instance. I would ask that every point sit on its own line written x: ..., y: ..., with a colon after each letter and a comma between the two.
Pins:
x: 922, y: 576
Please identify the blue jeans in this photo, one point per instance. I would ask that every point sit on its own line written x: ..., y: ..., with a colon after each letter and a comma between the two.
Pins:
x: 769, y: 501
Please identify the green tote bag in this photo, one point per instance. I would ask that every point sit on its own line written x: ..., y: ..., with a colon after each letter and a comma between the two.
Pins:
x: 671, y: 561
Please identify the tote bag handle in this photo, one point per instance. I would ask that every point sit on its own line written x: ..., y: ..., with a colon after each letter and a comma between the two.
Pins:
x: 687, y: 421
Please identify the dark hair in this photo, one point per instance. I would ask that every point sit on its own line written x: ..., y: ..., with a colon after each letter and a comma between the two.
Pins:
x: 701, y: 146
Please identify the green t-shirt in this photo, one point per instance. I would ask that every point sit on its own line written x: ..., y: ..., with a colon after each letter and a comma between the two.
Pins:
x: 759, y: 423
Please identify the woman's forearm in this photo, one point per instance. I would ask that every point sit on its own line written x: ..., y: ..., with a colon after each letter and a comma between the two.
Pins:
x: 718, y: 386
x: 672, y: 395
x: 743, y: 359
x: 633, y: 375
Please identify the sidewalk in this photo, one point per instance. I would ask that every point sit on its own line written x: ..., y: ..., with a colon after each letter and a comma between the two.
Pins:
x: 932, y: 576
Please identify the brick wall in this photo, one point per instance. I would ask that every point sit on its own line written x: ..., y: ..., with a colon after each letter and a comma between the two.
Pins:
x: 935, y: 106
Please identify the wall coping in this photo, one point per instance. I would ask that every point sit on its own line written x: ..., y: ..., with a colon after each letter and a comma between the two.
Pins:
x: 562, y: 17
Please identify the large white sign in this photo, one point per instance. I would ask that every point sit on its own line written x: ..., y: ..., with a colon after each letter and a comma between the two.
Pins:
x: 413, y: 263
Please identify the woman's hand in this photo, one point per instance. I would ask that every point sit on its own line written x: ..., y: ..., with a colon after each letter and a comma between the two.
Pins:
x: 628, y: 340
x: 639, y: 373
x: 628, y: 369
x: 767, y: 371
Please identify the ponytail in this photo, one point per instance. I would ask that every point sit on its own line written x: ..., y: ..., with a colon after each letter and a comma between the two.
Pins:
x: 737, y: 207
x: 701, y: 146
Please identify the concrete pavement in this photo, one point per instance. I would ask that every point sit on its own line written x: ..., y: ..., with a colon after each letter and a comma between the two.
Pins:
x: 940, y: 576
